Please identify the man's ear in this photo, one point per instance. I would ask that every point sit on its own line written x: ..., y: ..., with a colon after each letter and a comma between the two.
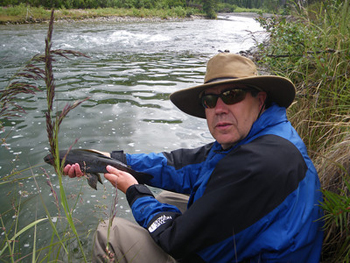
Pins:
x: 262, y: 96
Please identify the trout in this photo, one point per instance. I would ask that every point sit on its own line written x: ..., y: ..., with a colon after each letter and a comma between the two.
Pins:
x: 92, y: 163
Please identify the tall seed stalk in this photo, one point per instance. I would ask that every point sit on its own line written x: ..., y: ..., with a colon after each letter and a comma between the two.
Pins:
x: 53, y: 124
x: 10, y: 109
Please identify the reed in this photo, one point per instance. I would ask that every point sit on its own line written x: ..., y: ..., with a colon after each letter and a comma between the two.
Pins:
x: 312, y: 48
x: 39, y: 68
x: 53, y: 122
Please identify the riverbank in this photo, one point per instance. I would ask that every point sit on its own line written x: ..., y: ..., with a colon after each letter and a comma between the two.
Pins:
x: 126, y: 19
x: 27, y: 15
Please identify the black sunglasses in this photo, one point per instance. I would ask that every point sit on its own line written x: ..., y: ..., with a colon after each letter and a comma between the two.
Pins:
x: 229, y: 97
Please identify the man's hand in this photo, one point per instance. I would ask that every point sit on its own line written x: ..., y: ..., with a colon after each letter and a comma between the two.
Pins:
x: 73, y: 170
x: 121, y: 180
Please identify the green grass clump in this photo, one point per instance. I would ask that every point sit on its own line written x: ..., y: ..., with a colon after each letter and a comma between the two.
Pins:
x: 23, y: 14
x: 312, y: 48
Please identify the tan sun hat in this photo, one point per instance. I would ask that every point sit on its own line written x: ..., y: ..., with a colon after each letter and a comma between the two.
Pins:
x: 226, y: 68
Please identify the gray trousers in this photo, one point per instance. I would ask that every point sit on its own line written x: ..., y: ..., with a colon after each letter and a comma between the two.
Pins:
x: 129, y: 242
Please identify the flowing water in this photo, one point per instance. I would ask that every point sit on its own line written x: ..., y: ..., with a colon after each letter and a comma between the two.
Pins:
x: 132, y: 69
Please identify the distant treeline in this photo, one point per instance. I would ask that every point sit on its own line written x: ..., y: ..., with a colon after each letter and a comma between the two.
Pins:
x: 209, y: 7
x: 96, y: 3
x: 200, y: 4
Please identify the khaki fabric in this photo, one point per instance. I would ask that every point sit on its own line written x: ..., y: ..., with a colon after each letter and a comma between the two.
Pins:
x: 129, y: 242
x: 178, y: 200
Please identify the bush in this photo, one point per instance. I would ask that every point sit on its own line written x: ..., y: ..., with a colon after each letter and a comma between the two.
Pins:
x: 179, y: 11
x: 226, y: 8
x: 209, y: 7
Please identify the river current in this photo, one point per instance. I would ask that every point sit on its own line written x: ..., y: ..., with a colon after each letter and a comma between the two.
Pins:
x: 132, y: 69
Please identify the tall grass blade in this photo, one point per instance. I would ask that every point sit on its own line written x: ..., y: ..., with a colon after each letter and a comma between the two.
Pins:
x: 34, y: 244
x: 29, y: 226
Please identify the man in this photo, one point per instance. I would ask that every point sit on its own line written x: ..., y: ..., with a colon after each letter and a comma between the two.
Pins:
x: 253, y: 193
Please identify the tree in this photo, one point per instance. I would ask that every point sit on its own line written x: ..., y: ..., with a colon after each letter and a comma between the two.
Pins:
x: 209, y: 8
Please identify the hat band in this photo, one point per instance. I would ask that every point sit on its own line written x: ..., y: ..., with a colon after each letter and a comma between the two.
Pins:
x: 217, y: 80
x: 222, y: 79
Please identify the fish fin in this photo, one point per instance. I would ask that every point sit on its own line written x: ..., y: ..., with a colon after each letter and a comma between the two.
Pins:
x: 95, y: 152
x: 99, y: 178
x: 92, y: 180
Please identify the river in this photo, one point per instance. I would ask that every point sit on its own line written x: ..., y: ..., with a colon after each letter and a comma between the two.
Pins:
x: 131, y: 70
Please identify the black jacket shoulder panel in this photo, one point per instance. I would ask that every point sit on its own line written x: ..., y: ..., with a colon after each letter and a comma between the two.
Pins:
x: 263, y: 173
x: 183, y: 157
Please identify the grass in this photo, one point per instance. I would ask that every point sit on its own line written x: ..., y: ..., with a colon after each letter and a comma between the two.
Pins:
x: 312, y: 48
x: 248, y: 10
x: 27, y: 14
x: 22, y: 14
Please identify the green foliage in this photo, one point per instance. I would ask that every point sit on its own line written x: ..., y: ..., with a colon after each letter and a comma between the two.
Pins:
x: 287, y: 42
x: 175, y: 3
x: 337, y: 218
x: 179, y: 11
x: 226, y: 8
x: 209, y: 7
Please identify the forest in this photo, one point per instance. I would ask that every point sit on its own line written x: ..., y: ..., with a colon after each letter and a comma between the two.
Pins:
x: 228, y: 5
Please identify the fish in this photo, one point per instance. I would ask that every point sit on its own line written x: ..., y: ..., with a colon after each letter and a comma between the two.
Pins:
x: 92, y: 163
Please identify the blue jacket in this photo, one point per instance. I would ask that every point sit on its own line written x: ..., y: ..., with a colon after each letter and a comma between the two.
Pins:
x: 256, y: 202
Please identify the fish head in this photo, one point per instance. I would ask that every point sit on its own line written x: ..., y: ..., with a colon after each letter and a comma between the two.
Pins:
x: 49, y: 159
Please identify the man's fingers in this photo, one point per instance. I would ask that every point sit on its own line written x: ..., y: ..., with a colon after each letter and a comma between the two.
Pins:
x: 77, y: 170
x: 112, y: 169
x: 112, y: 178
x: 66, y: 169
x: 73, y: 170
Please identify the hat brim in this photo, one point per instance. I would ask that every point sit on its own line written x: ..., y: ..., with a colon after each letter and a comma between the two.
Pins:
x: 279, y: 89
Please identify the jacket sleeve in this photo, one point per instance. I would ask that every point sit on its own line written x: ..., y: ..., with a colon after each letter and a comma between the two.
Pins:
x: 174, y: 171
x: 237, y: 197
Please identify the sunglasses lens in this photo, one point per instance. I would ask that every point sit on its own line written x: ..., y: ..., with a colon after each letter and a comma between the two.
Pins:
x: 233, y: 96
x: 209, y: 101
x: 229, y: 97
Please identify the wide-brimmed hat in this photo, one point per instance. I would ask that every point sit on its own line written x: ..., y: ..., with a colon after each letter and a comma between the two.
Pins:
x: 226, y: 68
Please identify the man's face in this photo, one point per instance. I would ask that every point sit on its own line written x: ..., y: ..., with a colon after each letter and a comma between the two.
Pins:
x: 229, y: 124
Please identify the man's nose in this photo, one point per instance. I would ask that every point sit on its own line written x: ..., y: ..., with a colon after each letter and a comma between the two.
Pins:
x: 220, y: 107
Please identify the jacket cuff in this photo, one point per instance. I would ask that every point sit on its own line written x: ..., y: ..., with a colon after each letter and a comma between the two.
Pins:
x: 119, y: 155
x: 136, y: 191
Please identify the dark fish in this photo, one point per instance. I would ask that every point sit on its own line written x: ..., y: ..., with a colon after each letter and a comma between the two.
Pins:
x: 92, y: 163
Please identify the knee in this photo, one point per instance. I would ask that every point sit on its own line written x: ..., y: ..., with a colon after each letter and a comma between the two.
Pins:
x: 103, y: 251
